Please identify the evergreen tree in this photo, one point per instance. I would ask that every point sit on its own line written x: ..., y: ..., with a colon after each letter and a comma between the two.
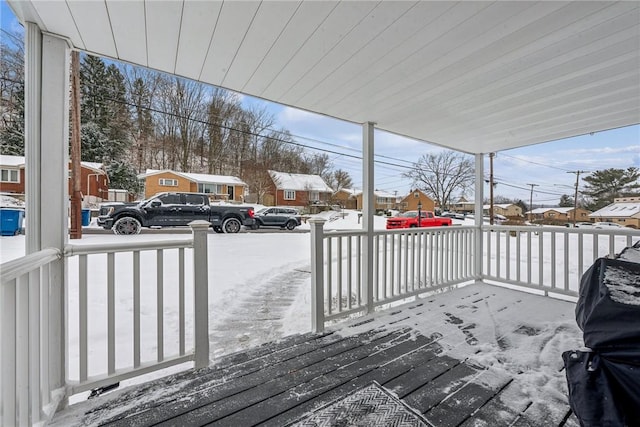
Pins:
x: 566, y: 201
x: 123, y: 175
x: 604, y: 186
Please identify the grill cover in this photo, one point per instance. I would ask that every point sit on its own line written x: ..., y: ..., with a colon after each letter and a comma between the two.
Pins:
x: 604, y: 383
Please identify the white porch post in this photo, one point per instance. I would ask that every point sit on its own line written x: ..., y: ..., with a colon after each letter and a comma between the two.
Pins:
x: 46, y: 147
x: 317, y: 274
x: 200, y: 230
x: 367, y: 212
x: 479, y: 196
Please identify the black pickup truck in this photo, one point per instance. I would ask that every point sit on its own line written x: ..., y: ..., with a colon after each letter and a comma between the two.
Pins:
x: 173, y: 209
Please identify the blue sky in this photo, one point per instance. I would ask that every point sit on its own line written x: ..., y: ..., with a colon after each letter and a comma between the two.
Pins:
x: 545, y: 165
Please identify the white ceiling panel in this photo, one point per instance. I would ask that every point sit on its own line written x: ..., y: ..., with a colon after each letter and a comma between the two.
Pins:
x: 472, y: 76
x: 482, y: 73
x: 371, y: 58
x: 338, y: 24
x: 302, y: 25
x: 163, y: 20
x: 63, y: 20
x: 233, y: 24
x: 199, y: 20
x: 92, y: 21
x: 128, y: 23
x: 266, y: 28
x: 375, y: 22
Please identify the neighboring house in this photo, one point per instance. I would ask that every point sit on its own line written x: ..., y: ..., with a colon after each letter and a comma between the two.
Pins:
x: 346, y: 197
x: 382, y: 201
x: 508, y: 210
x: 562, y: 214
x: 464, y: 206
x: 410, y: 201
x: 94, y: 182
x: 294, y: 189
x: 220, y: 187
x: 624, y: 211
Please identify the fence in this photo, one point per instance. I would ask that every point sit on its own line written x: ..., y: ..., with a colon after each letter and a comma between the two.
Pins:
x: 107, y: 336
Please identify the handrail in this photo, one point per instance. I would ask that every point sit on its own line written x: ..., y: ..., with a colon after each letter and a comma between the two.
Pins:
x: 15, y: 268
x: 71, y: 249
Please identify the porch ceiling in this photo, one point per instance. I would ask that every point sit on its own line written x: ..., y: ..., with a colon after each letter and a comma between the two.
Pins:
x: 472, y: 76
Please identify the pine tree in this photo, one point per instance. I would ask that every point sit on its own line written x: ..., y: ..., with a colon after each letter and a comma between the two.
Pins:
x: 604, y: 186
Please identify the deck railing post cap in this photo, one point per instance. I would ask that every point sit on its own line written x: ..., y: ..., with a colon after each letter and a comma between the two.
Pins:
x: 199, y: 224
x: 318, y: 221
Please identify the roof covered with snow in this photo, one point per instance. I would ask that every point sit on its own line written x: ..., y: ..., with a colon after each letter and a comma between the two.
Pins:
x: 620, y: 210
x: 299, y: 182
x: 6, y: 160
x: 200, y: 178
x: 11, y: 160
x: 544, y: 210
x: 499, y: 205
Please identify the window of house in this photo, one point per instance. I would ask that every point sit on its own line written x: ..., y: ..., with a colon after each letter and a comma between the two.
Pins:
x: 210, y: 188
x: 289, y: 195
x: 9, y: 175
x: 313, y: 196
x: 168, y: 182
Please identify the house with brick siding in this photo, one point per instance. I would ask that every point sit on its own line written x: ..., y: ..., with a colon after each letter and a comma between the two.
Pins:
x: 219, y: 187
x: 624, y: 211
x: 561, y: 214
x: 411, y: 200
x: 94, y: 181
x: 346, y: 197
x: 295, y: 189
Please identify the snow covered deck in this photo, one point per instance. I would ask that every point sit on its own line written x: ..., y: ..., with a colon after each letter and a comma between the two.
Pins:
x: 477, y: 355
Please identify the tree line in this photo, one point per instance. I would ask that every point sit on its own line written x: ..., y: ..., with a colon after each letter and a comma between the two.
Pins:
x: 133, y: 119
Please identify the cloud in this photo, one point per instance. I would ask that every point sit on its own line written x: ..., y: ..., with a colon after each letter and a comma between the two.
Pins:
x: 293, y: 115
x: 603, y: 150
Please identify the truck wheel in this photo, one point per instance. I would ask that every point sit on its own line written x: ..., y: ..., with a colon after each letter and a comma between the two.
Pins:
x: 291, y: 225
x: 231, y: 225
x: 126, y: 226
x: 217, y: 229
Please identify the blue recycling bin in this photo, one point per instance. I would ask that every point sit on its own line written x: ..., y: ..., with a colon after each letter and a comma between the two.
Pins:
x: 11, y: 221
x: 86, y: 217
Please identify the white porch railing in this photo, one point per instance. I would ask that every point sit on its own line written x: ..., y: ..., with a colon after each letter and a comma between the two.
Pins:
x: 406, y: 263
x: 25, y: 372
x: 101, y: 307
x: 549, y: 259
x: 415, y: 261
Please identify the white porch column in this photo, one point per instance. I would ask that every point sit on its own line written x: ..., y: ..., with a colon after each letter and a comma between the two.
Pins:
x: 367, y: 212
x: 46, y: 147
x: 479, y: 196
x: 33, y: 156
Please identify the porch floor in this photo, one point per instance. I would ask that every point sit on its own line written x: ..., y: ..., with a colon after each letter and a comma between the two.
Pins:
x: 474, y: 356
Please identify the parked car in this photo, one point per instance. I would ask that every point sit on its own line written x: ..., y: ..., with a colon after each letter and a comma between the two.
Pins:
x: 288, y: 218
x: 409, y: 219
x: 455, y: 215
x: 604, y: 224
x: 171, y: 210
x: 582, y: 225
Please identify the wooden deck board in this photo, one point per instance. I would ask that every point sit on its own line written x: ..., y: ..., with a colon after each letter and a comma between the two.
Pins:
x: 453, y: 357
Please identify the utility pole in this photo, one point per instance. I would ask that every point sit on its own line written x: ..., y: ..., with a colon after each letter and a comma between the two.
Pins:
x: 491, y: 156
x: 76, y: 168
x: 575, y: 197
x: 531, y: 200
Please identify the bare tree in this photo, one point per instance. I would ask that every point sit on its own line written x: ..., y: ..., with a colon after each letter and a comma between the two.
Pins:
x: 441, y: 175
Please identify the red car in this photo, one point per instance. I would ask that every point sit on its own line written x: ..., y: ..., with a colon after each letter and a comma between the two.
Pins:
x: 409, y: 219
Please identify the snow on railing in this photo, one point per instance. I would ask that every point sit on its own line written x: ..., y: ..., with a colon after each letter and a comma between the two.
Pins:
x: 549, y: 259
x: 406, y: 263
x: 117, y: 314
x: 27, y: 392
